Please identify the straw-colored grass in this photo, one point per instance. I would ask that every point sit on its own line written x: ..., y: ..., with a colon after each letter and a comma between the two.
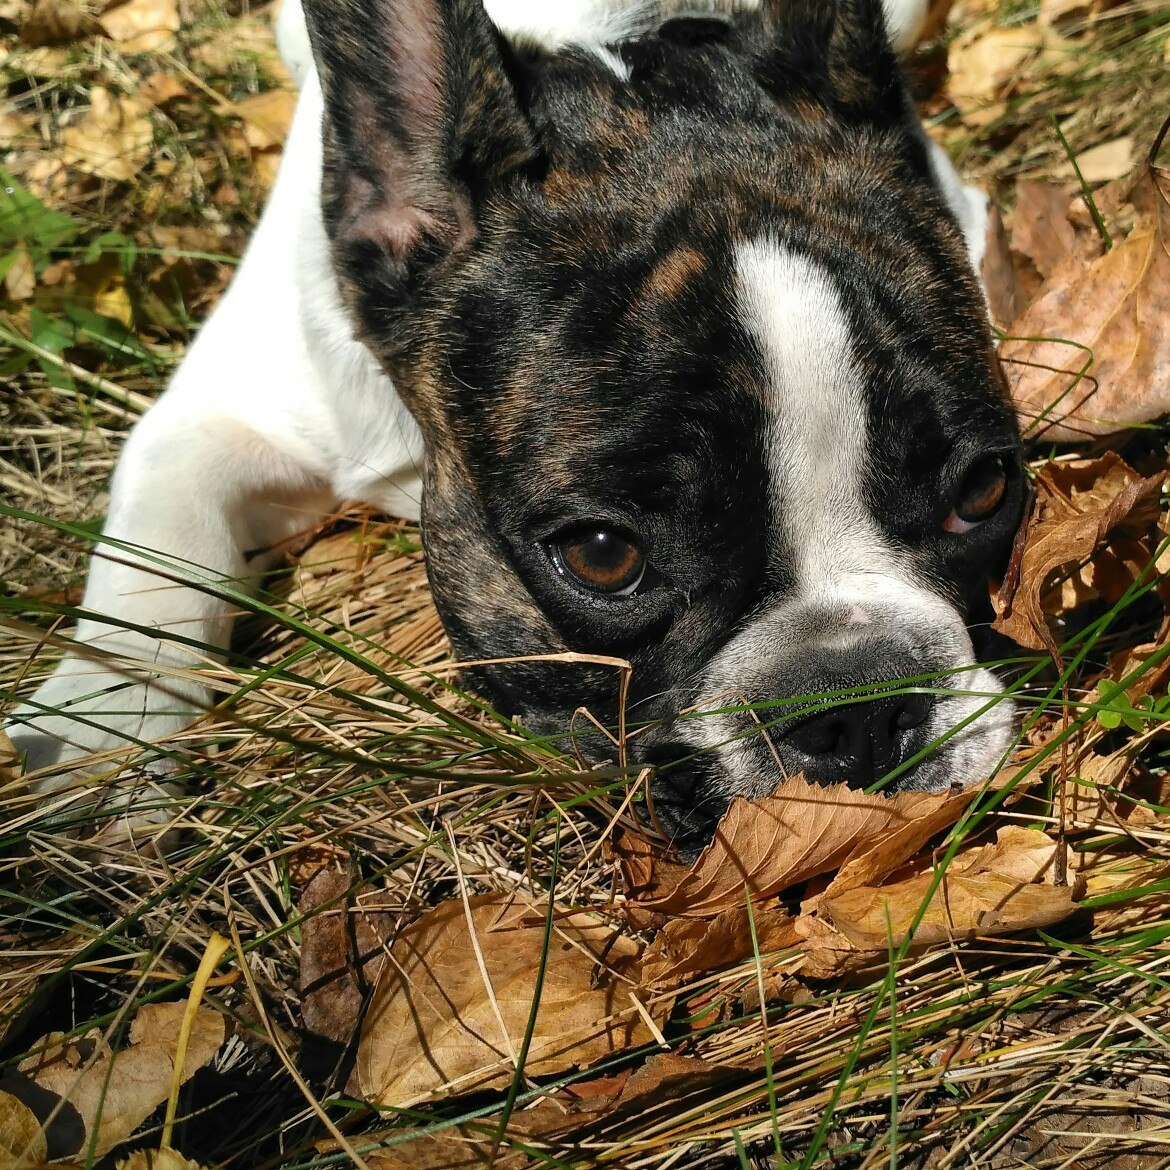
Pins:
x: 342, y: 733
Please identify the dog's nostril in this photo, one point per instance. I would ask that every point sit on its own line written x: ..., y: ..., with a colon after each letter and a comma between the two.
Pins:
x: 825, y: 735
x: 911, y: 711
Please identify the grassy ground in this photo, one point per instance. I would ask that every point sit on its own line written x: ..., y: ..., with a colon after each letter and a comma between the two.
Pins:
x: 132, y: 179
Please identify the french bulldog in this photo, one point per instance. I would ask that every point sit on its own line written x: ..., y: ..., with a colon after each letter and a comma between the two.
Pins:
x: 664, y: 320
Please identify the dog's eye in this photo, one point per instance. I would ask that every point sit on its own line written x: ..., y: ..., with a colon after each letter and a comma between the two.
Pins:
x: 980, y: 496
x: 600, y: 560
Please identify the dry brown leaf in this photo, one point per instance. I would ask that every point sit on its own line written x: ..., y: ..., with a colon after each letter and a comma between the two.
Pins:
x: 161, y: 87
x: 1091, y: 354
x: 22, y: 1140
x: 449, y: 1149
x: 1041, y: 232
x: 143, y: 26
x: 113, y: 1093
x: 114, y: 138
x: 247, y: 39
x: 342, y: 951
x: 57, y: 22
x: 988, y: 890
x: 800, y: 831
x: 1082, y: 506
x: 688, y: 946
x: 433, y: 1026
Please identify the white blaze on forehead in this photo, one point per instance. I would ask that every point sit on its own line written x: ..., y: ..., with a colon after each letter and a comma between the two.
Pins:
x: 818, y: 425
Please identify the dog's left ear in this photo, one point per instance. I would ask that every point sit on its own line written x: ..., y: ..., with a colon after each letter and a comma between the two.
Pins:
x: 420, y: 119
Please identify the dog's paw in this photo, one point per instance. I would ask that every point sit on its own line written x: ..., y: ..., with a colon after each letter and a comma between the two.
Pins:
x: 92, y: 741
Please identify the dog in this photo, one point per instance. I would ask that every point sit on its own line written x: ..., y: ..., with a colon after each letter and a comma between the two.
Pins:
x: 665, y: 322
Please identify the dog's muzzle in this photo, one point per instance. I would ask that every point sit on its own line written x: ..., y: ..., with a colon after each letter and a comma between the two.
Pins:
x: 865, y: 695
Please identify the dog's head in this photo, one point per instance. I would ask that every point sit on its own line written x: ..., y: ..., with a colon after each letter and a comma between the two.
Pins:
x: 704, y: 376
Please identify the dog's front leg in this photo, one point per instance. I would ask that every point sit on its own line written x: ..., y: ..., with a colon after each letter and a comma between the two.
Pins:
x: 196, y: 496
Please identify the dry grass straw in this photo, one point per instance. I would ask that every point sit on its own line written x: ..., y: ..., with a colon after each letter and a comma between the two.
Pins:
x: 1040, y: 1052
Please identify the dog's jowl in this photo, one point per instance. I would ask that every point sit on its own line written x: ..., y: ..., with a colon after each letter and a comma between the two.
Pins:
x: 665, y: 321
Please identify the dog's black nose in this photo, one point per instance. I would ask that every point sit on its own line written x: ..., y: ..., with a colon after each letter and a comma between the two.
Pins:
x: 860, y: 742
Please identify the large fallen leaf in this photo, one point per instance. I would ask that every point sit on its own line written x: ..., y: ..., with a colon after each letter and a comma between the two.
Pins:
x: 114, y: 138
x: 437, y: 1026
x: 1091, y: 354
x: 988, y: 890
x: 1082, y: 507
x: 97, y: 1098
x: 799, y: 832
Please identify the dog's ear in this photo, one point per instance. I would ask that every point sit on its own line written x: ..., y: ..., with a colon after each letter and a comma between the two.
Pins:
x: 420, y: 119
x: 837, y: 52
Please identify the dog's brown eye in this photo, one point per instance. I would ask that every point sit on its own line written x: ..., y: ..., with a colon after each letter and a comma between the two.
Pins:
x: 980, y: 497
x: 601, y: 560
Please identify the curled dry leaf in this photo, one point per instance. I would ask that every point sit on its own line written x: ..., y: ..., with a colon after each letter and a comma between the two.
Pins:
x: 1091, y: 535
x: 988, y: 890
x: 98, y: 1098
x: 1091, y: 354
x: 9, y: 760
x: 114, y: 138
x: 434, y: 1026
x: 1001, y: 282
x: 799, y: 832
x: 343, y: 945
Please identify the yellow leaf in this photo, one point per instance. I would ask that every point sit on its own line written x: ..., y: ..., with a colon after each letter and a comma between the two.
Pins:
x: 112, y: 300
x: 22, y: 1140
x: 20, y: 281
x: 167, y: 1159
x: 267, y: 117
x: 143, y: 26
x: 114, y: 138
x: 113, y: 1093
